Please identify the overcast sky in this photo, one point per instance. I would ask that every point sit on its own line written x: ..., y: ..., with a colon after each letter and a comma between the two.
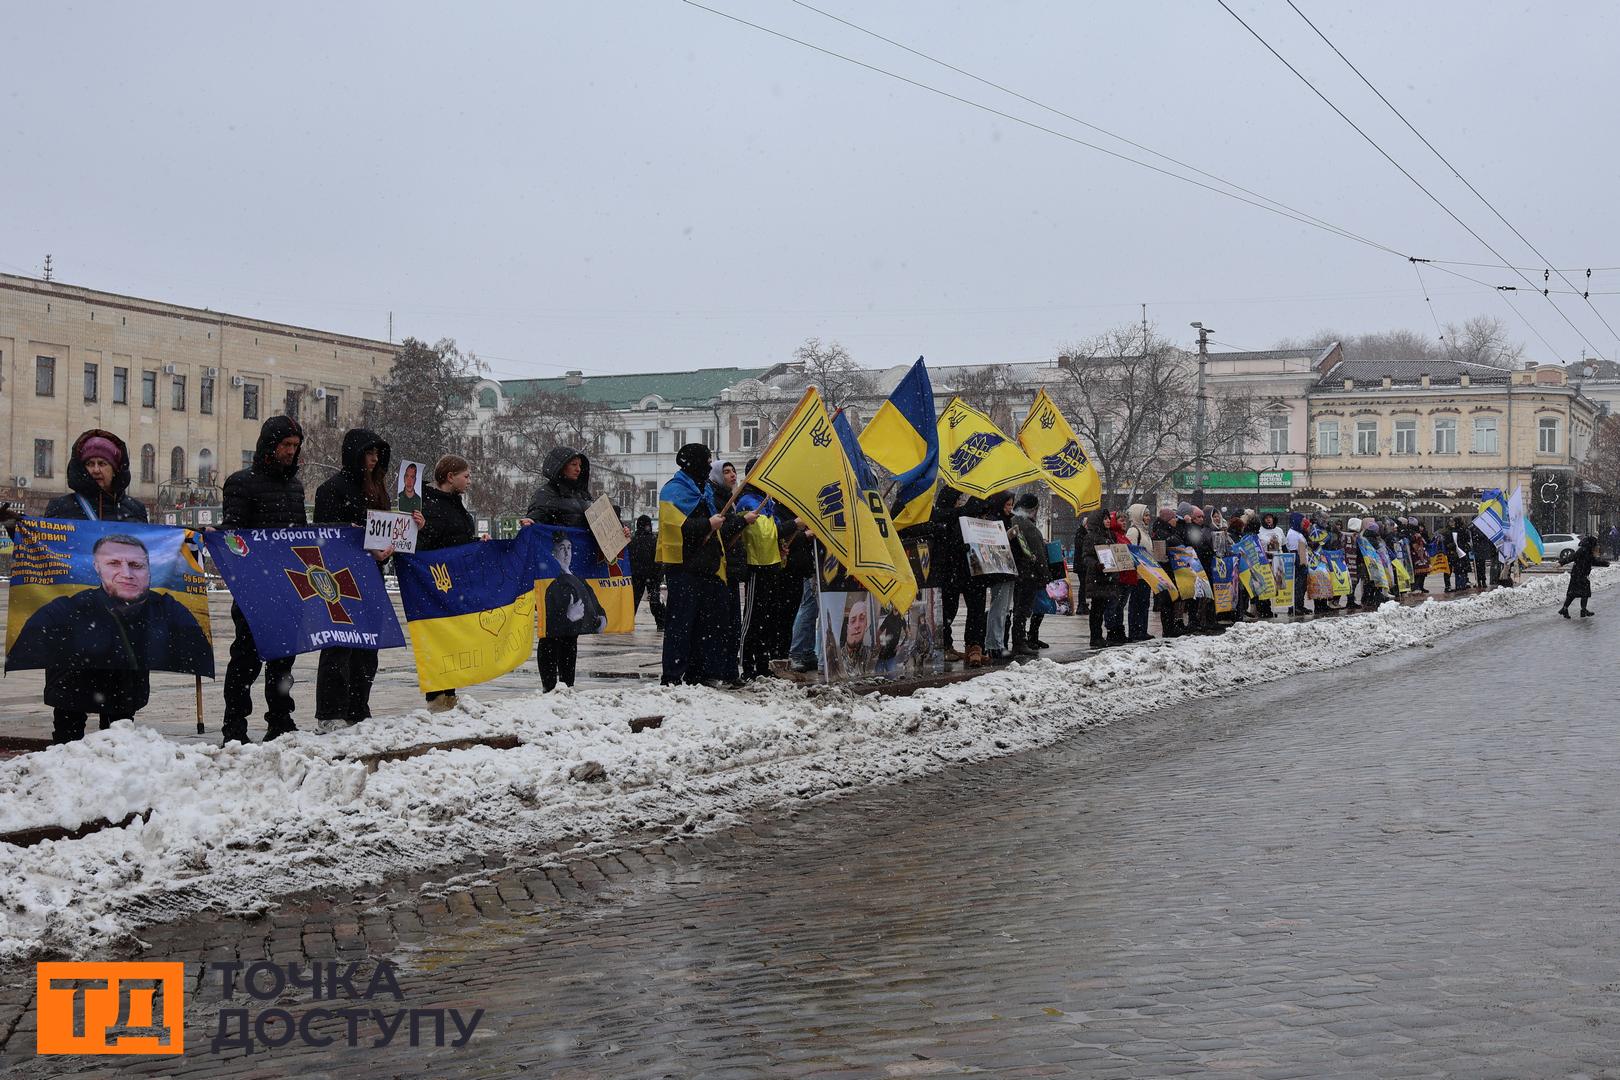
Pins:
x: 644, y: 186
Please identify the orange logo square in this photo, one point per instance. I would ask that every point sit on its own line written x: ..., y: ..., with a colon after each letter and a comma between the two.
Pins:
x: 111, y: 1008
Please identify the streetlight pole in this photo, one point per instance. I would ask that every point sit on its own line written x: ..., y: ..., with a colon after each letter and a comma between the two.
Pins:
x: 1199, y: 420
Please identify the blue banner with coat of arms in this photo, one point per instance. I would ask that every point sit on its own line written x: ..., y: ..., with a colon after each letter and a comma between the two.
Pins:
x: 306, y: 587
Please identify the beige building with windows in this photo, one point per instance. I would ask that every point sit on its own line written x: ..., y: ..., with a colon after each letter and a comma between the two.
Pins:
x: 1426, y: 437
x: 186, y: 388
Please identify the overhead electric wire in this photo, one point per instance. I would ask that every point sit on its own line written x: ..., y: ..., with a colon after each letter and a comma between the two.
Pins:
x: 992, y: 110
x: 1546, y: 263
x: 1423, y: 285
x: 902, y: 46
x: 1399, y: 167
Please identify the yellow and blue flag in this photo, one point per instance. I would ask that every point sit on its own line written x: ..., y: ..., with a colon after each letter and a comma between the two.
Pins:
x: 975, y: 457
x: 1149, y: 569
x: 1527, y: 545
x: 1191, y: 581
x: 1223, y: 583
x: 806, y: 468
x: 679, y: 496
x: 904, y: 438
x: 575, y: 591
x: 1495, y: 521
x: 1253, y: 570
x: 469, y: 610
x: 1338, y: 569
x: 866, y: 483
x: 1065, y: 466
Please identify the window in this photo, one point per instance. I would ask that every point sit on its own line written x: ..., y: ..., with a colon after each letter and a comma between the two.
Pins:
x: 332, y: 410
x: 120, y: 386
x: 624, y: 442
x: 1366, y: 436
x: 486, y: 398
x: 750, y: 435
x: 708, y: 437
x: 368, y: 410
x: 45, y: 378
x: 1277, y: 433
x: 177, y: 463
x: 250, y: 401
x: 1547, y: 435
x: 652, y: 442
x: 148, y: 464
x: 205, y: 398
x: 205, y: 466
x: 1406, y: 436
x: 177, y: 393
x: 294, y: 401
x: 1327, y: 437
x: 247, y: 459
x: 44, y: 457
x: 475, y: 446
x: 1484, y: 434
x: 1445, y: 436
x: 680, y: 437
x: 149, y: 389
x: 92, y: 388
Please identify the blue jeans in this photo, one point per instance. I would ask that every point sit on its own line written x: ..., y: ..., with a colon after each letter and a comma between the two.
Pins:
x: 805, y: 647
x: 995, y: 631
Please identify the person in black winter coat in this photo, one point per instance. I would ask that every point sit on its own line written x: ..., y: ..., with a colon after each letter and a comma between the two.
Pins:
x: 1166, y: 529
x: 1580, y: 576
x: 98, y: 489
x: 694, y: 529
x: 645, y: 576
x: 265, y: 495
x: 1034, y: 572
x: 561, y: 499
x: 446, y: 523
x: 343, y: 679
x: 956, y: 583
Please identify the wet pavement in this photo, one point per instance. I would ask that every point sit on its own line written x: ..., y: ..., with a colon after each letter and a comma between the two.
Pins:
x: 1404, y: 867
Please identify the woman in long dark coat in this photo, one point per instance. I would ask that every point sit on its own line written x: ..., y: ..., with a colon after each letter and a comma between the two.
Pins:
x: 1580, y: 576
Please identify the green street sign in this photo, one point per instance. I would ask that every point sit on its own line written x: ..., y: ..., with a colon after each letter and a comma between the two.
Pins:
x: 1241, y: 480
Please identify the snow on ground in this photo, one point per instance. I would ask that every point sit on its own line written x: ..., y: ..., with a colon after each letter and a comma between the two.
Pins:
x: 233, y: 828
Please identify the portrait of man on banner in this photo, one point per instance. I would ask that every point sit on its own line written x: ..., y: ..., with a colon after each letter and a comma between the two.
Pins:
x: 118, y: 596
x: 576, y: 592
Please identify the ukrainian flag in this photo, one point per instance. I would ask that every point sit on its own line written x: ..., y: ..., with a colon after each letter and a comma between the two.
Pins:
x: 1253, y: 569
x: 904, y: 438
x: 1525, y: 538
x: 679, y: 496
x: 1338, y: 569
x: 867, y: 484
x: 806, y: 468
x: 1191, y: 581
x: 1150, y: 571
x: 1052, y: 444
x: 975, y: 457
x: 469, y: 610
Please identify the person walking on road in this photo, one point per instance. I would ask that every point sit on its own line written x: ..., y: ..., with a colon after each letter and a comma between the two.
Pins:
x: 1580, y: 576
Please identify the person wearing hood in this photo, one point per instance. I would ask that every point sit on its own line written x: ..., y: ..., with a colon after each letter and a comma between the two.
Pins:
x: 1082, y: 530
x: 1166, y: 529
x: 693, y: 533
x: 1580, y: 576
x: 1454, y: 541
x: 344, y: 677
x: 1372, y: 595
x: 1029, y: 555
x: 446, y: 523
x: 957, y: 585
x: 645, y: 577
x: 561, y: 499
x: 1138, y: 593
x: 772, y: 597
x: 266, y: 495
x: 98, y: 490
x: 723, y: 482
x: 1101, y: 586
x: 1295, y: 541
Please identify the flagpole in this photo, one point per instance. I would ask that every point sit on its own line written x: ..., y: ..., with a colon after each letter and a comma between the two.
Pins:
x: 736, y: 490
x: 199, y: 705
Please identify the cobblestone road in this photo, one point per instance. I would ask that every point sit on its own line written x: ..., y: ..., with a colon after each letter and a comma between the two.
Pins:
x: 1402, y: 868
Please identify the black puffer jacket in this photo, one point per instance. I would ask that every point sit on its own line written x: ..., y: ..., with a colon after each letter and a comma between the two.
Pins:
x: 112, y: 505
x: 341, y: 500
x: 448, y: 522
x: 266, y: 494
x: 950, y: 568
x: 644, y: 550
x: 557, y: 501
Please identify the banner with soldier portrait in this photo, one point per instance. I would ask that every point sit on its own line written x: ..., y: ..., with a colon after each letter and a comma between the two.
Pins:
x: 122, y: 596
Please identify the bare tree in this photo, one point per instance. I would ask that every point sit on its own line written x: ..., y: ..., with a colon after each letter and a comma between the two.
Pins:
x: 427, y: 400
x: 533, y: 424
x: 1483, y: 339
x: 993, y: 390
x: 1132, y: 398
x: 1602, y: 463
x: 831, y: 370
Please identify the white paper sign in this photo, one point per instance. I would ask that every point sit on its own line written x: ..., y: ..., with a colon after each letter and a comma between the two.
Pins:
x: 386, y: 528
x: 606, y: 527
x: 988, y: 551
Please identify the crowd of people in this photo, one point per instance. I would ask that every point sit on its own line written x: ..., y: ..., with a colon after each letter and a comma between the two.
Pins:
x: 730, y: 575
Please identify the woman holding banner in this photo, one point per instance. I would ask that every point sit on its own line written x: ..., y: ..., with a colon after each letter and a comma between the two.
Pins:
x: 343, y: 679
x: 446, y: 523
x: 98, y: 482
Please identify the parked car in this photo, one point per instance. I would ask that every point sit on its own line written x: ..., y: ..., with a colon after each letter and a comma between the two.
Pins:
x: 1559, y: 547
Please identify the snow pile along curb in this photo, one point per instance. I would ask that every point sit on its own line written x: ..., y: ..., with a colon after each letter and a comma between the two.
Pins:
x: 233, y: 828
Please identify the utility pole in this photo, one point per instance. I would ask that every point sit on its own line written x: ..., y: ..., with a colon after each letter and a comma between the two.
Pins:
x: 1200, y: 420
